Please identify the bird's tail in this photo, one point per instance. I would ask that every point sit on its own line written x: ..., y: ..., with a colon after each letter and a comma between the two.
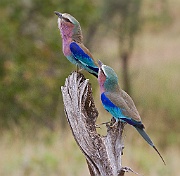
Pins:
x: 149, y: 141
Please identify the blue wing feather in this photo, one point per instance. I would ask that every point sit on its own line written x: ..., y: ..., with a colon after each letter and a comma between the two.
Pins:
x: 117, y: 112
x: 82, y: 57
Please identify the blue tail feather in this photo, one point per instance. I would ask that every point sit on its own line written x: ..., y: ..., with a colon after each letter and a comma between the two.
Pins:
x: 145, y: 136
x: 149, y: 141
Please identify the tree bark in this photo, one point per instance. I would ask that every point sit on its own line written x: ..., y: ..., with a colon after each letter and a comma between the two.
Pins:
x: 102, y: 153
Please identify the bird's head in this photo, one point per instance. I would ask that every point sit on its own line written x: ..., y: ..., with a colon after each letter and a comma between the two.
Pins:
x: 107, y: 78
x: 69, y: 26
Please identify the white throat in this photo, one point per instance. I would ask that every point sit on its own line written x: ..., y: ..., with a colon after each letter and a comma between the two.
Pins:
x: 59, y: 23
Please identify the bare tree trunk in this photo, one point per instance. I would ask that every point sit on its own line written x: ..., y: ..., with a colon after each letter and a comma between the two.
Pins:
x: 102, y: 153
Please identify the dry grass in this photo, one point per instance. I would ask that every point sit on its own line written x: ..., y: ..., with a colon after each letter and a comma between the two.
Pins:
x: 55, y: 153
x: 42, y: 153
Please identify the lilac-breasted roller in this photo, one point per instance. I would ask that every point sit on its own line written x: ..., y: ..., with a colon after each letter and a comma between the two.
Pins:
x: 118, y: 103
x: 72, y: 41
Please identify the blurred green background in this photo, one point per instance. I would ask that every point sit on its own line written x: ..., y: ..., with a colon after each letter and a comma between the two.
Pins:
x: 139, y: 39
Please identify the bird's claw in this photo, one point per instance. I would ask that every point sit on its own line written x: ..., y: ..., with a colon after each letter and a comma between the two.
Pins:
x: 104, y: 123
x: 127, y: 169
x: 114, y: 124
x: 97, y: 126
x: 78, y: 69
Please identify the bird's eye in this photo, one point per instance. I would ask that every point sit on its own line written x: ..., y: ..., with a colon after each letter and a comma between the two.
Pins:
x: 67, y: 20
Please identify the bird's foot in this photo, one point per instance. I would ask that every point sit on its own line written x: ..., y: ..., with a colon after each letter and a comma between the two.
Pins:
x: 78, y: 69
x: 127, y: 169
x: 104, y: 123
x: 114, y: 124
x: 97, y: 126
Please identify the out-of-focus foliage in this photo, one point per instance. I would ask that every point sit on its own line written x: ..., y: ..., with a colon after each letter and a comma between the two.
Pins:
x: 123, y: 16
x: 124, y: 19
x: 156, y: 16
x: 32, y: 67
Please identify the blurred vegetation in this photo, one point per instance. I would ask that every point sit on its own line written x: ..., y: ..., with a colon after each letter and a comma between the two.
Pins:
x: 32, y: 69
x: 124, y: 18
x: 32, y: 65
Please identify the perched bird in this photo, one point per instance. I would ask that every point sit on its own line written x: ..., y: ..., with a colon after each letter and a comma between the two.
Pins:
x: 73, y: 47
x: 118, y: 103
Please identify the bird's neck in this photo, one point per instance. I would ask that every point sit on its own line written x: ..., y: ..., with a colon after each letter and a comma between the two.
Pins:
x: 106, y: 84
x: 73, y: 32
x: 101, y: 80
x: 66, y: 32
x: 70, y: 34
x: 66, y: 39
x: 106, y: 87
x: 109, y: 90
x: 111, y: 87
x: 77, y: 36
x: 102, y: 89
x: 66, y: 43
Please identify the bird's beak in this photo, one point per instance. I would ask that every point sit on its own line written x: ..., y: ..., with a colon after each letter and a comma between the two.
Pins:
x: 100, y: 64
x: 58, y: 14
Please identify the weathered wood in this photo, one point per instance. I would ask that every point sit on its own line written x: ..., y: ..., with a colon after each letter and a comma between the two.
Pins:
x: 103, y: 153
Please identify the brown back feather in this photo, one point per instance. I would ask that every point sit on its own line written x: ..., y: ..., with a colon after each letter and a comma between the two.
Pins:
x: 121, y: 99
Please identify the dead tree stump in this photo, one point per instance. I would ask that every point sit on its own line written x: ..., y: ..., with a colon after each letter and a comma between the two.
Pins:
x: 102, y: 153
